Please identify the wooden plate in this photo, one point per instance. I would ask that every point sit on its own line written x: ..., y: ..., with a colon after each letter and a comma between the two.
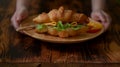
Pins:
x: 49, y: 38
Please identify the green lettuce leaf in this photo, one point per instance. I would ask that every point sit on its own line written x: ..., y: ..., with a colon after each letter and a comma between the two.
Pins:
x: 77, y: 27
x: 40, y: 26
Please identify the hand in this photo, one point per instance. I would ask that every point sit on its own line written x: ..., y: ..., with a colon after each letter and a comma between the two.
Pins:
x: 20, y: 14
x: 101, y: 16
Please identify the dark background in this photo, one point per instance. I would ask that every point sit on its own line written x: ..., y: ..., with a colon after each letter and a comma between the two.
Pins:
x: 5, y: 12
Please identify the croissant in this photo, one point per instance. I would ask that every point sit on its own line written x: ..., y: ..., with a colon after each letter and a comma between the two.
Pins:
x: 61, y: 22
x: 61, y: 15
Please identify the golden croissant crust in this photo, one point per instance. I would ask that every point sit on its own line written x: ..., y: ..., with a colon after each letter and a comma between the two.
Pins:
x: 61, y: 15
x: 49, y: 23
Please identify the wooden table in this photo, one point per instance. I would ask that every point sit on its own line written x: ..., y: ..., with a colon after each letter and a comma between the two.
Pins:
x: 19, y: 48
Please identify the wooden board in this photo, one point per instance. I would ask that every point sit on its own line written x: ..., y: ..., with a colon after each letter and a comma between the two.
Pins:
x: 19, y: 48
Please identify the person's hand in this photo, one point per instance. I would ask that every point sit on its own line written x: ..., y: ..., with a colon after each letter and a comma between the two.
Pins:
x: 20, y: 14
x: 103, y: 17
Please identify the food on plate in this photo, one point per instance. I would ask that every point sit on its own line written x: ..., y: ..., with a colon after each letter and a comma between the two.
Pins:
x: 65, y: 23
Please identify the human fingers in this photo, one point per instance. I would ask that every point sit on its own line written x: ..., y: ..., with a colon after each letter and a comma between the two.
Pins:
x: 14, y: 22
x: 101, y: 17
x: 108, y: 20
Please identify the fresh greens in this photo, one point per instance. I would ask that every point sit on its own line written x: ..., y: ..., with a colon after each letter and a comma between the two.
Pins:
x: 76, y: 27
x: 40, y: 26
x: 61, y: 27
x: 67, y: 25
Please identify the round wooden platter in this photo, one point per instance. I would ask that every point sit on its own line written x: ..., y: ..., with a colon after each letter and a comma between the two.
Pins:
x: 45, y: 37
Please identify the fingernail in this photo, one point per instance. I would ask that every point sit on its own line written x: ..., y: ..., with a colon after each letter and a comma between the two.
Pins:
x: 18, y: 19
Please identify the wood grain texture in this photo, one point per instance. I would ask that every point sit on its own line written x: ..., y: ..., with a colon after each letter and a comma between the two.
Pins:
x: 20, y: 48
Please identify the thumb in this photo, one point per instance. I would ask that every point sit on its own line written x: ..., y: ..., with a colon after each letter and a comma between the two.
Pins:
x: 15, y: 23
x: 19, y: 18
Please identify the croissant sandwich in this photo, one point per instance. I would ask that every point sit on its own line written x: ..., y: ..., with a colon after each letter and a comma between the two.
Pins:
x: 62, y: 23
